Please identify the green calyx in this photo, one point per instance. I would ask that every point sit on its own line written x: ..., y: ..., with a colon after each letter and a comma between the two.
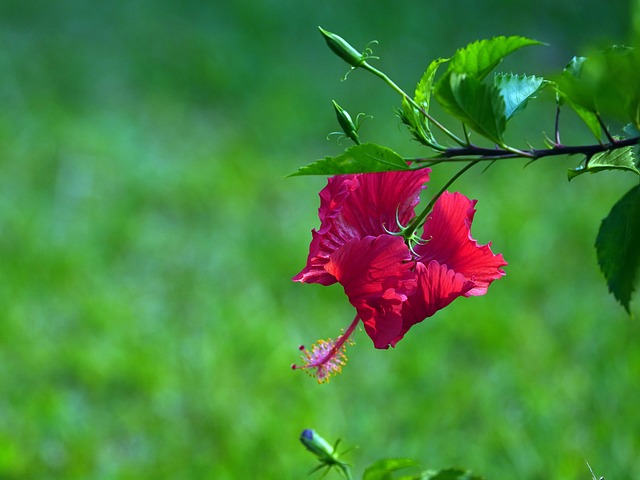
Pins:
x: 408, y: 233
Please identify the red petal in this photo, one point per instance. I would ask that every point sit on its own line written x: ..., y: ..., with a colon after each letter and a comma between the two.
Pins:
x: 354, y: 206
x: 438, y: 286
x: 333, y: 196
x: 380, y: 201
x: 314, y: 271
x: 325, y: 241
x: 376, y: 275
x: 449, y: 242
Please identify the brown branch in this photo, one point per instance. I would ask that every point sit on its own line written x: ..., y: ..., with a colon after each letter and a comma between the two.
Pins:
x: 473, y: 152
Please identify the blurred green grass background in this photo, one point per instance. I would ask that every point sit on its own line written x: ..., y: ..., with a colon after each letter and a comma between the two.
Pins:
x: 148, y: 237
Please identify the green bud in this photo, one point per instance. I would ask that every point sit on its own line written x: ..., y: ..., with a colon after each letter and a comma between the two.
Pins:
x: 326, y: 454
x: 348, y: 126
x: 317, y: 445
x: 341, y: 47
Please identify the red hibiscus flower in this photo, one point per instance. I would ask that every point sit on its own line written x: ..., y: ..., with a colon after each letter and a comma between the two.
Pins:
x: 393, y: 285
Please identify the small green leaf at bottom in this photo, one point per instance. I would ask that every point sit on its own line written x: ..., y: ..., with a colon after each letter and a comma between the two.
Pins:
x: 367, y: 157
x: 620, y: 159
x: 618, y: 246
x: 451, y: 474
x: 384, y: 469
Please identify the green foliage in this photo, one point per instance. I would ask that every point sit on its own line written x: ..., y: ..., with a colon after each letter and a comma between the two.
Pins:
x: 631, y: 131
x: 478, y: 105
x: 451, y: 474
x: 479, y: 58
x: 417, y: 123
x: 568, y: 84
x: 385, y: 468
x: 604, y: 83
x: 517, y: 90
x: 582, y: 104
x: 485, y: 108
x: 366, y: 157
x: 416, y: 120
x: 462, y: 94
x: 620, y: 159
x: 422, y: 95
x: 617, y: 246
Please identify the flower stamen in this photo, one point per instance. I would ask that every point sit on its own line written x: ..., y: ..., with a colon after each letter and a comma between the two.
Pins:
x: 326, y: 357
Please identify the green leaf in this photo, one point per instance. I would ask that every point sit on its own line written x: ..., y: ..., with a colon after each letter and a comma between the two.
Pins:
x: 413, y: 118
x: 617, y: 246
x: 480, y: 57
x: 588, y: 116
x: 383, y: 469
x: 417, y: 123
x: 631, y: 130
x: 422, y: 95
x: 478, y: 105
x: 462, y: 94
x: 569, y: 88
x: 604, y: 84
x: 615, y: 75
x: 367, y: 157
x: 517, y: 90
x: 451, y: 474
x: 574, y: 67
x: 569, y: 91
x: 619, y: 159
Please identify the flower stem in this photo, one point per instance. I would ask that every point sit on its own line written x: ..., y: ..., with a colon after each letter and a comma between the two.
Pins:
x: 419, y: 220
x: 393, y: 85
x: 347, y: 471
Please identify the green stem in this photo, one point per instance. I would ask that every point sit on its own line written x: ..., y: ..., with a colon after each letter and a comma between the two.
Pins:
x: 392, y: 84
x: 418, y: 221
x: 605, y: 129
x: 347, y: 472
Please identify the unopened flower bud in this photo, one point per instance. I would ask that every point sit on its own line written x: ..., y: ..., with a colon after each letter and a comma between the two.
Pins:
x: 348, y: 127
x: 316, y: 444
x: 326, y: 454
x: 341, y: 47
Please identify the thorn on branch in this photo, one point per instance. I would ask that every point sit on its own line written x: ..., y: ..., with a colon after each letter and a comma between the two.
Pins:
x: 557, y: 127
x: 612, y: 140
